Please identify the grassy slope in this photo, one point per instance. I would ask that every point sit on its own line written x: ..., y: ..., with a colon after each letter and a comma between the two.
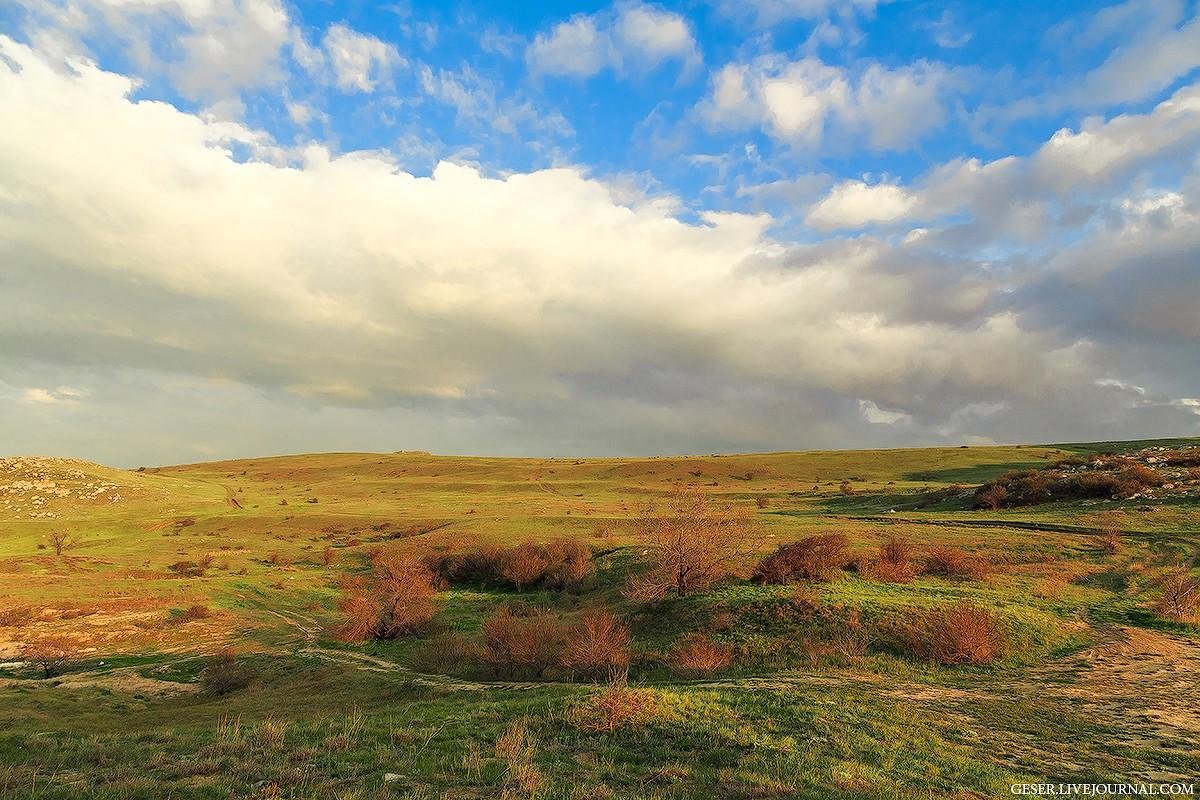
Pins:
x: 830, y: 735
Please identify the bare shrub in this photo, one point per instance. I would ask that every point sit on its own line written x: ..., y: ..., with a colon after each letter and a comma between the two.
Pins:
x: 697, y: 654
x: 224, y: 674
x: 571, y: 563
x: 524, y: 644
x: 599, y: 646
x: 517, y: 749
x: 692, y: 543
x: 814, y: 558
x: 962, y: 633
x: 52, y: 654
x: 950, y: 562
x: 893, y: 563
x: 896, y: 550
x: 398, y: 599
x: 991, y: 497
x: 1111, y: 537
x: 480, y: 565
x: 192, y: 569
x: 617, y: 706
x: 1179, y: 597
x: 523, y: 565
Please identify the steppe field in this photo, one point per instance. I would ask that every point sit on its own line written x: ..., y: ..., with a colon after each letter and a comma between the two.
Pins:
x: 403, y: 625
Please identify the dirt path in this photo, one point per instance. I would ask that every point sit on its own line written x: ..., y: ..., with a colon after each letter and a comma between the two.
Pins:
x: 1149, y: 681
x: 1139, y: 689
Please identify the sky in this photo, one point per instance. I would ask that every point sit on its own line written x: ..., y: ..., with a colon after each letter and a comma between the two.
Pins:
x: 244, y: 227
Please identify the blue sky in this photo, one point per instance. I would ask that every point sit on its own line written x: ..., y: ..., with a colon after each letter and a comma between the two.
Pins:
x: 596, y: 227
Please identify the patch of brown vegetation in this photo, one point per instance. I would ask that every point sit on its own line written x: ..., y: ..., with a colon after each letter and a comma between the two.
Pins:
x: 397, y: 599
x: 962, y: 633
x: 523, y: 642
x: 599, y: 646
x: 816, y: 558
x: 697, y: 654
x: 950, y: 562
x: 691, y: 543
x: 618, y: 706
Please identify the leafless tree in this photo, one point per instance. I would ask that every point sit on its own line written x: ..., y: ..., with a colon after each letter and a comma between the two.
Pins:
x: 51, y: 653
x: 691, y: 542
x: 60, y: 541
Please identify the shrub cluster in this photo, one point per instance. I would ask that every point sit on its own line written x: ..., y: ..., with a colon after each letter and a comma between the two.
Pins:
x: 192, y: 569
x: 558, y: 564
x: 1033, y: 487
x: 815, y: 558
x: 522, y: 642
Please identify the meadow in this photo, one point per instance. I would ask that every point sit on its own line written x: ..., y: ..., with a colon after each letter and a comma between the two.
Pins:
x: 182, y: 631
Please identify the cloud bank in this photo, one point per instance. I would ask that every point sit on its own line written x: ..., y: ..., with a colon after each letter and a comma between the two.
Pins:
x: 194, y: 269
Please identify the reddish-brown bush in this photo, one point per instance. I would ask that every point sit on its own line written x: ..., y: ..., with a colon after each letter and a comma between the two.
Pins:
x: 962, y: 633
x: 1179, y: 597
x: 524, y: 643
x: 896, y: 550
x: 891, y: 572
x: 950, y: 562
x: 618, y: 706
x: 190, y: 614
x: 398, y: 599
x: 1111, y: 538
x: 15, y: 616
x: 524, y: 564
x: 570, y: 563
x: 561, y: 564
x: 697, y: 654
x: 599, y: 646
x: 814, y: 558
x: 991, y: 497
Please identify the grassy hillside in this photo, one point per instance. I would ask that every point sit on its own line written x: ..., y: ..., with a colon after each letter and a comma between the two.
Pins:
x: 261, y: 545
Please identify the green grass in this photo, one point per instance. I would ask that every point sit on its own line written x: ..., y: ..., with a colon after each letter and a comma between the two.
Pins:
x: 776, y: 724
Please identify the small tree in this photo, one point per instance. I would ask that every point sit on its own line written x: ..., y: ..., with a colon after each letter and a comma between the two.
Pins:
x: 599, y: 646
x: 692, y: 542
x: 397, y: 600
x: 60, y: 541
x: 52, y: 654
